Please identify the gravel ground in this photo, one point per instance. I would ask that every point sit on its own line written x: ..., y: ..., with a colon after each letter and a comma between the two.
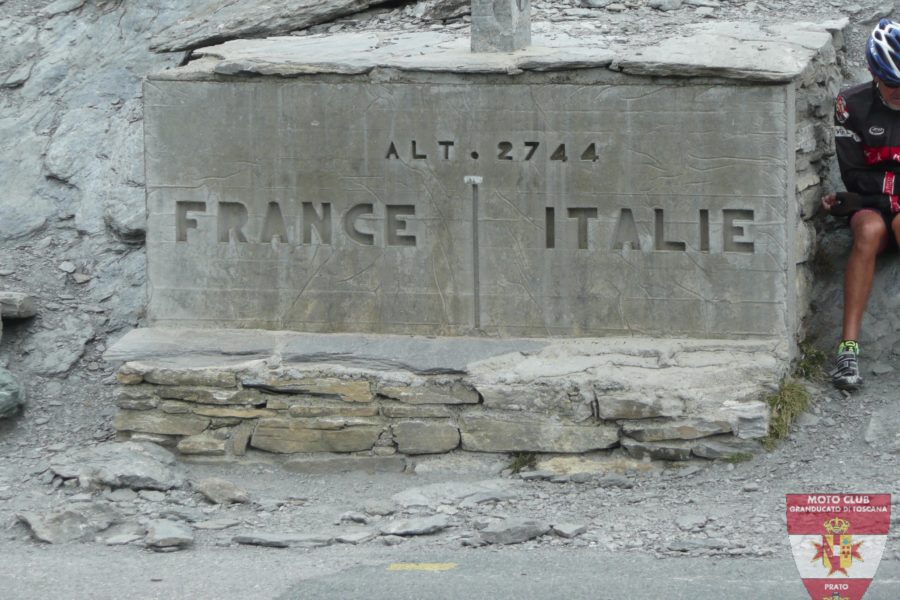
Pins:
x: 668, y: 512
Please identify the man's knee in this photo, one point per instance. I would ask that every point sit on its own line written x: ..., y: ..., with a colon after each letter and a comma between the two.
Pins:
x: 870, y: 234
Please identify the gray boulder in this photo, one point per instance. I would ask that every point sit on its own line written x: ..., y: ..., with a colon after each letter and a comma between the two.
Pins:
x: 513, y: 531
x: 220, y: 491
x: 73, y: 524
x: 165, y: 534
x: 11, y: 395
x: 129, y: 464
x: 438, y: 10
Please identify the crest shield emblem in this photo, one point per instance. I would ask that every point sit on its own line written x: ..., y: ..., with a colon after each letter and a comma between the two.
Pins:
x: 837, y: 541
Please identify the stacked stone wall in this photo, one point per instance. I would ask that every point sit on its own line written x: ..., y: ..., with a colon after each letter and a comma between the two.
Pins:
x: 572, y: 403
x: 815, y: 89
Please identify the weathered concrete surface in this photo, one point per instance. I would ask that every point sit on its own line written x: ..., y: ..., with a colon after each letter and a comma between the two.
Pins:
x: 382, y: 238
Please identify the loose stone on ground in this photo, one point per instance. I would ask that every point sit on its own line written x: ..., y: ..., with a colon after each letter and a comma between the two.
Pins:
x: 513, y: 531
x: 11, y: 394
x: 73, y: 524
x: 418, y: 526
x: 165, y: 535
x: 279, y: 540
x: 220, y: 491
x: 129, y: 464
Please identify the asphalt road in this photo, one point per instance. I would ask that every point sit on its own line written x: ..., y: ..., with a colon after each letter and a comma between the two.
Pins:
x: 519, y: 574
x: 398, y: 573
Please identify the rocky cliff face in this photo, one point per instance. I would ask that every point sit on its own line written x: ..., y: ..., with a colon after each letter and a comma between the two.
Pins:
x: 71, y: 209
x: 71, y: 163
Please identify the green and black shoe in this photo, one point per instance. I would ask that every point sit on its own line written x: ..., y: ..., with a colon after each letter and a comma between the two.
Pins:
x: 845, y: 373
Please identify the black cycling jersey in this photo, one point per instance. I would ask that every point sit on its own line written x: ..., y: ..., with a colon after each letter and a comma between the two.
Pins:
x: 867, y: 139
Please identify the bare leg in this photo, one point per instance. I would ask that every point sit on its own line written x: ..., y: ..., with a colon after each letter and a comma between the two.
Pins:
x: 870, y: 238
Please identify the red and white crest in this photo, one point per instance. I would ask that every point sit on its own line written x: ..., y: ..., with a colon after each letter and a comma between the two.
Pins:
x: 837, y: 541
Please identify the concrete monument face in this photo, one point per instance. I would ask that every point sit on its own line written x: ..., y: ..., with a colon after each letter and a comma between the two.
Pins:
x: 451, y: 208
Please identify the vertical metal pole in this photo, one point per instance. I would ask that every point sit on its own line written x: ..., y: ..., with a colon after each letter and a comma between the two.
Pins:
x: 475, y: 181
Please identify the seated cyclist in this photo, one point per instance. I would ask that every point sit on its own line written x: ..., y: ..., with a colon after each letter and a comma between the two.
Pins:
x: 867, y: 138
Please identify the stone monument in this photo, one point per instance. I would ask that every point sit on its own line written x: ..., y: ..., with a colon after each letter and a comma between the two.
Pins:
x: 622, y: 233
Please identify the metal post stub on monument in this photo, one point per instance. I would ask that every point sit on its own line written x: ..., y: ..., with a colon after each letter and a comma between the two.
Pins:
x: 837, y: 541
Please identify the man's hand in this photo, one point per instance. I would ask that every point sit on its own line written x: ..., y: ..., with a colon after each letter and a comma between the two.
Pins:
x: 842, y: 204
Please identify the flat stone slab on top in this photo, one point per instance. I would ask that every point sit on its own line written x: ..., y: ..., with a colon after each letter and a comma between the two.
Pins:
x: 421, y: 355
x: 732, y: 50
x: 515, y: 384
x: 534, y: 357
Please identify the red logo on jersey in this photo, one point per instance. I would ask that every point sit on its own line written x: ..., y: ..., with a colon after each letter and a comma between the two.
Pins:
x: 840, y: 110
x: 880, y: 154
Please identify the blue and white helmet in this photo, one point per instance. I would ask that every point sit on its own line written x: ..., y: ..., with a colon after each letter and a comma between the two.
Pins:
x: 883, y: 52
